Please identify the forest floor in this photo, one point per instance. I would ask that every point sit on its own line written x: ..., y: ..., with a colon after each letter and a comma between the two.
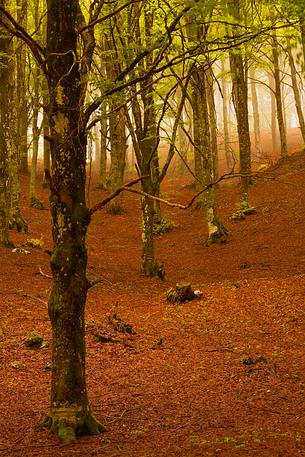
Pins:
x: 222, y: 375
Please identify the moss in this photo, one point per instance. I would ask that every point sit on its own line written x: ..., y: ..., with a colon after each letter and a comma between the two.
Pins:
x: 243, y: 210
x: 35, y: 242
x: 162, y: 226
x: 34, y: 340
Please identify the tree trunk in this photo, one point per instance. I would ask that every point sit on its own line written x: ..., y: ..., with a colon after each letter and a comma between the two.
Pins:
x: 16, y: 220
x: 69, y: 413
x: 103, y: 150
x: 5, y: 78
x: 118, y: 147
x: 34, y: 200
x: 256, y: 120
x: 22, y: 104
x: 212, y: 119
x: 295, y: 88
x: 278, y: 98
x: 202, y: 144
x: 240, y: 100
x: 230, y: 160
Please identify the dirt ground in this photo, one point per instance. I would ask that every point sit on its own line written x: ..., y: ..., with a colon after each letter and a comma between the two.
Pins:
x: 222, y: 375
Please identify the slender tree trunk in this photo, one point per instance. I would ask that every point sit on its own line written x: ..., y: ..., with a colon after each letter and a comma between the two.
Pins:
x: 225, y: 115
x: 34, y: 200
x: 295, y: 88
x: 117, y: 134
x: 256, y: 120
x: 183, y: 142
x: 69, y: 414
x: 212, y: 119
x: 22, y: 105
x: 273, y: 123
x: 278, y: 98
x: 102, y: 134
x: 302, y: 28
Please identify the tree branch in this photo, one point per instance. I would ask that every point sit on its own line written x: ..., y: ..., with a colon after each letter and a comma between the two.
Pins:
x: 18, y: 31
x: 114, y: 194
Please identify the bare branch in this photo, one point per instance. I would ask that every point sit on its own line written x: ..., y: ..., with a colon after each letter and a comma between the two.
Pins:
x: 190, y: 203
x: 17, y: 30
x: 114, y: 194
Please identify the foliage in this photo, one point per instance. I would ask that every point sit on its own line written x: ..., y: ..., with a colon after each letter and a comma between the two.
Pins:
x: 34, y: 341
x: 243, y: 210
x: 162, y: 226
x: 35, y: 242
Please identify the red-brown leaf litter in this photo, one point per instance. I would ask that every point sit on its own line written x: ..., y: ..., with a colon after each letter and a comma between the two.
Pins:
x: 221, y: 375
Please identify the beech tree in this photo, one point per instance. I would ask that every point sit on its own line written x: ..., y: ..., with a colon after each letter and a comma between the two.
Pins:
x: 66, y: 63
x: 5, y: 78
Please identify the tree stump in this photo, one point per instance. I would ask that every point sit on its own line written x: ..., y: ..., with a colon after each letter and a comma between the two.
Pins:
x: 182, y: 292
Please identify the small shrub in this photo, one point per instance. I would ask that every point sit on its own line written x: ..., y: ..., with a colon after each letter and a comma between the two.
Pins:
x: 34, y: 340
x: 35, y: 242
x: 162, y: 226
x: 243, y: 210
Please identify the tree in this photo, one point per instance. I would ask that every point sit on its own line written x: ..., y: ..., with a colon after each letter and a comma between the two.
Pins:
x: 22, y: 104
x: 5, y: 141
x: 240, y: 100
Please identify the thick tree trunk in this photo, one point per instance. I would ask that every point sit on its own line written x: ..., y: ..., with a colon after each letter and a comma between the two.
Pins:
x: 202, y: 143
x: 16, y: 220
x: 69, y: 413
x: 240, y: 100
x: 5, y: 77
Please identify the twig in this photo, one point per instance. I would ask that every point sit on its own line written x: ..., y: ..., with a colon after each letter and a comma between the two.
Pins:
x: 44, y: 274
x: 35, y: 298
x: 189, y: 204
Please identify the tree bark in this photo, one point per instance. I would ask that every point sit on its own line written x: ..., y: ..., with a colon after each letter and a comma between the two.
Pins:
x: 278, y: 98
x: 295, y: 88
x: 22, y: 104
x: 240, y: 100
x: 256, y: 120
x: 230, y: 159
x: 5, y: 77
x: 202, y: 145
x: 69, y: 414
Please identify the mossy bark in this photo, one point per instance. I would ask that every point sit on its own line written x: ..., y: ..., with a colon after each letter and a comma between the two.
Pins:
x: 21, y: 101
x: 278, y: 98
x: 204, y: 150
x: 240, y: 100
x: 4, y: 137
x: 69, y: 414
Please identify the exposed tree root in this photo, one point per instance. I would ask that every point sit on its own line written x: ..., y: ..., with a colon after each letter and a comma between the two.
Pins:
x: 221, y: 236
x: 70, y: 422
x: 17, y: 222
x: 36, y: 203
